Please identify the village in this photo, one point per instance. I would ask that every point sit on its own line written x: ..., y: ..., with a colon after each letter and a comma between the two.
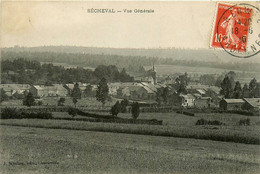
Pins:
x: 144, y: 89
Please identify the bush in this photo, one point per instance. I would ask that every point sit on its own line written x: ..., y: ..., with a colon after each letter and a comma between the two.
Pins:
x: 124, y: 103
x: 115, y: 109
x: 72, y: 111
x: 206, y: 122
x: 38, y: 115
x: 245, y: 122
x: 40, y: 103
x: 29, y: 100
x: 61, y: 101
x: 9, y: 113
x: 13, y: 113
x: 241, y: 112
x: 135, y: 110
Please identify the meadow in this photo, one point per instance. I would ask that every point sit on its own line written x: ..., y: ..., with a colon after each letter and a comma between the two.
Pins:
x: 37, y: 150
x: 89, y: 102
x: 174, y: 125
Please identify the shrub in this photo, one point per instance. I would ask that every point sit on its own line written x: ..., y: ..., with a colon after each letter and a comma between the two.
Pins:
x: 29, y: 100
x: 245, y: 122
x: 72, y: 111
x: 38, y: 115
x: 248, y: 113
x: 135, y: 110
x: 13, y: 113
x: 115, y: 109
x: 40, y: 103
x: 124, y: 103
x: 8, y: 113
x: 201, y: 122
x: 61, y: 101
x: 206, y: 122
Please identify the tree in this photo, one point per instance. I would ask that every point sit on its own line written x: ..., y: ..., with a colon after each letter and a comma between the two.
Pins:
x: 231, y: 74
x: 76, y: 92
x: 181, y: 83
x: 88, y: 91
x: 75, y: 101
x: 124, y: 103
x: 124, y: 77
x: 3, y: 96
x: 237, y: 90
x: 102, y: 91
x: 226, y: 88
x: 29, y: 100
x: 115, y: 109
x: 207, y: 79
x: 141, y: 69
x: 245, y: 91
x: 61, y: 101
x: 219, y: 81
x: 159, y: 94
x: 135, y: 110
x: 258, y: 90
x: 165, y: 95
x: 253, y: 88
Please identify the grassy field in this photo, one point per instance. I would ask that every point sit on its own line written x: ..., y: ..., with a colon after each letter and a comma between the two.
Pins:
x: 176, y: 126
x: 36, y: 150
x: 89, y: 102
x: 176, y: 119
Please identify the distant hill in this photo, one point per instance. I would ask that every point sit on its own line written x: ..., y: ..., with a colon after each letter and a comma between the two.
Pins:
x: 208, y: 55
x: 93, y: 56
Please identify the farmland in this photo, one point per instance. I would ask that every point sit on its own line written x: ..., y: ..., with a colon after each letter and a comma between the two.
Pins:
x: 174, y: 125
x: 36, y: 150
x: 90, y: 102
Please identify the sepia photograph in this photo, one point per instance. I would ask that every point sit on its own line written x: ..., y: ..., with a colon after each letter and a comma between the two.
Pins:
x: 129, y: 87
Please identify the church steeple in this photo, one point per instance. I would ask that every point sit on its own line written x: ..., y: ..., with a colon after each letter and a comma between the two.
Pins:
x: 154, y: 75
x: 153, y: 67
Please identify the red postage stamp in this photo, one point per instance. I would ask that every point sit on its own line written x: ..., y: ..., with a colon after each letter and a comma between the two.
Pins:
x: 231, y: 27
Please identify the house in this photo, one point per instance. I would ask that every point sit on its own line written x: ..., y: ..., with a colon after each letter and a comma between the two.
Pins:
x: 201, y: 92
x: 136, y: 92
x: 48, y: 91
x: 187, y: 100
x: 203, y: 102
x: 144, y: 79
x: 149, y: 77
x: 16, y: 90
x: 70, y: 86
x: 231, y: 104
x: 201, y: 89
x: 251, y: 104
x: 60, y: 90
x: 113, y: 87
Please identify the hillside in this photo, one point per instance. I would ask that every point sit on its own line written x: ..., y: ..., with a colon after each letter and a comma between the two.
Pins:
x: 125, y: 57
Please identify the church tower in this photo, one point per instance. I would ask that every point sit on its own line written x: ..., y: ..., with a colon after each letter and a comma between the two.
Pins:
x: 153, y: 73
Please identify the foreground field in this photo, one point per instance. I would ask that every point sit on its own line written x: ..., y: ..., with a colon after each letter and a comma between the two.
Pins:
x: 37, y: 150
x: 239, y: 134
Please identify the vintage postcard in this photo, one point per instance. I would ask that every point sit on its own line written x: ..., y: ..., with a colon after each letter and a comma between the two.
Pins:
x: 130, y: 87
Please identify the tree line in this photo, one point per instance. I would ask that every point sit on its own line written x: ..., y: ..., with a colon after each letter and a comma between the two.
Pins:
x: 25, y: 71
x: 80, y: 58
x: 229, y: 90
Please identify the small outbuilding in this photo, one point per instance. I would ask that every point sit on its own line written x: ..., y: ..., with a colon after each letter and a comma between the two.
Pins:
x: 252, y: 104
x: 231, y: 104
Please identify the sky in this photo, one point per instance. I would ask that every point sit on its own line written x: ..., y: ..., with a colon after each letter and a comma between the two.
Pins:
x: 173, y: 24
x: 184, y: 25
